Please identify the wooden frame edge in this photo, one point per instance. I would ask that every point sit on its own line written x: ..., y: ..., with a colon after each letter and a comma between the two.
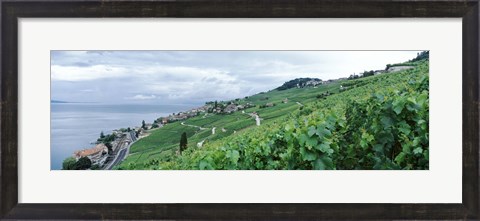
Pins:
x: 12, y: 10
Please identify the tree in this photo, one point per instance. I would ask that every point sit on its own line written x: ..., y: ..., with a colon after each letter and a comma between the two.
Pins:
x: 102, y: 135
x: 143, y: 125
x: 215, y: 106
x: 421, y: 55
x: 298, y: 82
x: 109, y: 146
x: 368, y: 73
x: 353, y: 76
x: 69, y: 163
x: 387, y: 67
x: 83, y: 164
x: 183, y: 142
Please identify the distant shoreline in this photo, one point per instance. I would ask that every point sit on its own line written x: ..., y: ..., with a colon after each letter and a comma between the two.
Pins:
x: 146, y: 104
x: 69, y: 102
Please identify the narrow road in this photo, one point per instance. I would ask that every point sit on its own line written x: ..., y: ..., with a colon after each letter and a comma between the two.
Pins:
x: 120, y: 156
x: 132, y: 136
x: 257, y: 118
x: 200, y: 144
x: 189, y: 125
x: 123, y: 150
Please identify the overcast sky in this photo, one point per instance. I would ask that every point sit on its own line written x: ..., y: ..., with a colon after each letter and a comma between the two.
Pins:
x: 194, y: 77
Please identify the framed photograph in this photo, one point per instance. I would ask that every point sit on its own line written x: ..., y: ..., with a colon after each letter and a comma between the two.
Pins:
x: 234, y: 110
x: 210, y: 110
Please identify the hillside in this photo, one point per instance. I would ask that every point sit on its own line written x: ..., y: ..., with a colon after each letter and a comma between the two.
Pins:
x: 58, y: 102
x: 376, y: 122
x: 300, y: 83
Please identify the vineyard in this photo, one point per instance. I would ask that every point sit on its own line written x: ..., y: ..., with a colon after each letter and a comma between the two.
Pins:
x: 373, y: 123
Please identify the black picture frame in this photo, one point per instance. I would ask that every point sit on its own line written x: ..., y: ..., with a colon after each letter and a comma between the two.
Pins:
x: 469, y: 209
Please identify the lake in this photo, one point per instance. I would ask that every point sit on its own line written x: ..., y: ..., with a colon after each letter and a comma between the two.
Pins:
x: 75, y: 126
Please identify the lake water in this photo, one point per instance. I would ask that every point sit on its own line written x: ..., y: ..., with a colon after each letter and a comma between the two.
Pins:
x: 75, y: 126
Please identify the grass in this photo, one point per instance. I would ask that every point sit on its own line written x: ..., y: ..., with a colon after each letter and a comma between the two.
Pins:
x: 162, y: 138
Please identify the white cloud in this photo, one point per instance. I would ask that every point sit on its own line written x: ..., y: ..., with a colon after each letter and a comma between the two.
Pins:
x: 142, y: 97
x: 75, y: 73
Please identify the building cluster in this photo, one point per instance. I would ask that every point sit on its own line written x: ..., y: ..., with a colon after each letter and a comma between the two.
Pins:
x: 230, y: 108
x: 390, y: 69
x: 310, y: 83
x: 314, y: 82
x: 334, y: 80
x: 96, y: 154
x: 399, y: 68
x: 184, y: 114
x: 221, y: 108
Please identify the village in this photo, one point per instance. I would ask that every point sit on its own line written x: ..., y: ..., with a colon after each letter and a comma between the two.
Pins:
x: 111, y: 149
x: 105, y: 155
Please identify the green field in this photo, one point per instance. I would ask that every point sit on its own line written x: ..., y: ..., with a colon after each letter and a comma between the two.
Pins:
x: 163, y: 142
x: 378, y: 122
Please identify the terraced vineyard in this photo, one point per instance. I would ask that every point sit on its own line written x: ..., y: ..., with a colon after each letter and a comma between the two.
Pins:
x: 376, y: 122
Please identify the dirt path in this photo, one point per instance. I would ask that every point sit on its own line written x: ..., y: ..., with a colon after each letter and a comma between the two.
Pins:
x: 257, y: 118
x: 189, y: 125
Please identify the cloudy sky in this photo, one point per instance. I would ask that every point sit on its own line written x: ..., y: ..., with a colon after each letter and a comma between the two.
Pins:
x: 193, y: 77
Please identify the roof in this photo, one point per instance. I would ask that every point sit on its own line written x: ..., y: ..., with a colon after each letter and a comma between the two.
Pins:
x: 87, y: 152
